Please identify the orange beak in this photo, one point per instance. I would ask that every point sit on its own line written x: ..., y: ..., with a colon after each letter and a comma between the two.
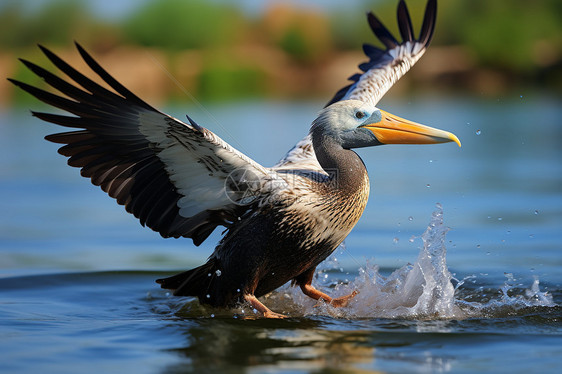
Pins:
x: 395, y: 130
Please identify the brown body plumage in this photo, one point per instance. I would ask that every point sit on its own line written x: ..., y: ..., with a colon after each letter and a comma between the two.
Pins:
x: 284, y: 239
x: 182, y: 180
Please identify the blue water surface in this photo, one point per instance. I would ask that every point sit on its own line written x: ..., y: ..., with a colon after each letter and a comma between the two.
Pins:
x: 77, y: 272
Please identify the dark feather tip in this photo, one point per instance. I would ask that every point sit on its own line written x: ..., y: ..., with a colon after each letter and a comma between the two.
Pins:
x: 194, y: 124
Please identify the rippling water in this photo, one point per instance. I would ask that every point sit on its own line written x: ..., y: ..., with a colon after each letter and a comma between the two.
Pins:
x: 424, y: 290
x: 471, y: 285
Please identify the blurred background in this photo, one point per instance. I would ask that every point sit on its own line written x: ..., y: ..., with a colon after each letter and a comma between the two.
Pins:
x: 256, y: 73
x: 236, y: 49
x: 77, y: 273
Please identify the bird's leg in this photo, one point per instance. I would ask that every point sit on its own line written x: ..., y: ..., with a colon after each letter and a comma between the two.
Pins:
x: 342, y: 301
x: 305, y: 282
x: 256, y: 304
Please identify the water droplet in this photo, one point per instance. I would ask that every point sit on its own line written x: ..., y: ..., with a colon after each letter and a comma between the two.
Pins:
x: 531, y: 236
x: 477, y: 245
x: 212, y: 316
x: 520, y: 96
x: 218, y: 273
x: 412, y: 238
x: 500, y: 218
x: 410, y: 218
x: 395, y: 240
x: 430, y: 161
x: 209, y: 274
x: 428, y: 185
x: 536, y: 212
x: 478, y: 132
x: 208, y: 296
x: 238, y: 290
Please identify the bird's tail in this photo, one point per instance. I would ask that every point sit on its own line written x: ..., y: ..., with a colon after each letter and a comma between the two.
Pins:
x: 194, y: 282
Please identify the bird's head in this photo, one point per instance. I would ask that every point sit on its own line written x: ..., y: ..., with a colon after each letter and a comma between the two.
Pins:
x: 356, y: 124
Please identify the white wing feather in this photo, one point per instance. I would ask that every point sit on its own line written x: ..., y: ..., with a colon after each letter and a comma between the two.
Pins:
x: 382, y: 71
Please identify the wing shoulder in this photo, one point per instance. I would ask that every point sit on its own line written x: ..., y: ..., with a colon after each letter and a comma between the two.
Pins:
x: 387, y: 65
x: 175, y: 177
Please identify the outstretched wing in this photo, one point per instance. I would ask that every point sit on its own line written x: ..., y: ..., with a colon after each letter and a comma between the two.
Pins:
x: 384, y: 68
x: 179, y: 179
x: 300, y: 157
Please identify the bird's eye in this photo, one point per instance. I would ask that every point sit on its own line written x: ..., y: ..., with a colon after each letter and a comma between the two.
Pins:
x: 359, y: 115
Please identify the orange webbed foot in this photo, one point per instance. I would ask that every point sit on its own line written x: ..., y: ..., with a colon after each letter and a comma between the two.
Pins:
x: 266, y: 312
x: 340, y: 302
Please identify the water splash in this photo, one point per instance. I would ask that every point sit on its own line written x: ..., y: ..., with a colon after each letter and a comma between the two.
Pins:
x: 422, y: 290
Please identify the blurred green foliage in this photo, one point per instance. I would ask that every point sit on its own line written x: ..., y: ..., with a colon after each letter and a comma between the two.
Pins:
x: 511, y: 34
x: 179, y: 24
x: 55, y: 23
x: 518, y: 38
x: 224, y: 82
x: 294, y: 43
x: 507, y: 34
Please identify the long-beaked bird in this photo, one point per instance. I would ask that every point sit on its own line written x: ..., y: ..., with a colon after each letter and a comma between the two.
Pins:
x: 182, y: 180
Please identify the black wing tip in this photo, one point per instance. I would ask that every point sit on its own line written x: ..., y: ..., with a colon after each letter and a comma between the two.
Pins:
x: 112, y: 82
x: 36, y: 69
x: 52, y: 138
x: 14, y: 81
x: 429, y: 21
x: 405, y: 22
x: 46, y: 51
x: 32, y: 90
x: 194, y: 124
x: 405, y: 25
x: 373, y: 20
x: 24, y: 86
x: 25, y: 62
x: 83, y: 53
x: 381, y: 31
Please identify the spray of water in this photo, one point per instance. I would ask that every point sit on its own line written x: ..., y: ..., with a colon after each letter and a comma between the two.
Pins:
x: 422, y: 290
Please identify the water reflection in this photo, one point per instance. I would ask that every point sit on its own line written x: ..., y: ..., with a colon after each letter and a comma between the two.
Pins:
x: 298, y: 344
x: 314, y: 344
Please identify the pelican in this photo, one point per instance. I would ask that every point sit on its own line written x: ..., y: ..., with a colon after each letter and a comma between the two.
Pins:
x: 182, y: 180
